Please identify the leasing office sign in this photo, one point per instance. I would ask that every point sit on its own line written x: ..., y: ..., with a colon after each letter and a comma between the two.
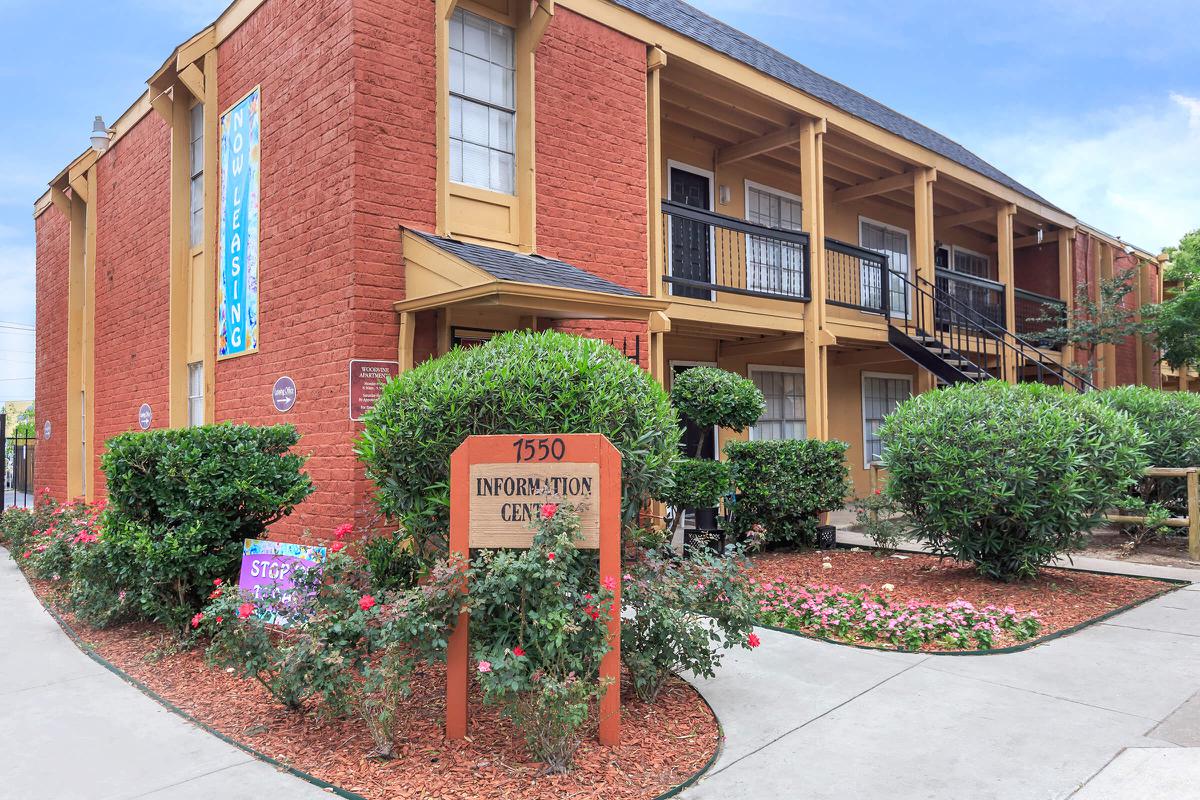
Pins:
x: 237, y: 276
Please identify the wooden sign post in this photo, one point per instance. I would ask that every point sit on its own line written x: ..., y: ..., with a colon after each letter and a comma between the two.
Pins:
x: 497, y: 486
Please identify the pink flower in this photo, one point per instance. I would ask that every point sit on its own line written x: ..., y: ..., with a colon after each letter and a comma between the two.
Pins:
x: 549, y: 556
x: 366, y: 601
x: 548, y: 510
x: 485, y: 666
x: 340, y: 531
x: 518, y: 652
x: 220, y: 620
x: 610, y: 583
x: 592, y: 612
x: 217, y: 582
x: 196, y: 620
x: 338, y: 547
x: 753, y: 640
x: 245, y: 610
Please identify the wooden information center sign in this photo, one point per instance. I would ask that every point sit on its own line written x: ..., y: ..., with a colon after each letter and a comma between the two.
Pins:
x: 497, y: 487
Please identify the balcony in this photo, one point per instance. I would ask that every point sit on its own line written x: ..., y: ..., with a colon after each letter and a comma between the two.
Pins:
x: 707, y: 253
x: 1036, y: 314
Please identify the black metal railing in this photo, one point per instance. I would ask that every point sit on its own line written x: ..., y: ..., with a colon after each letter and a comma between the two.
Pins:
x: 18, y: 489
x: 706, y: 253
x: 985, y: 297
x: 1036, y: 314
x: 973, y: 341
x: 854, y: 278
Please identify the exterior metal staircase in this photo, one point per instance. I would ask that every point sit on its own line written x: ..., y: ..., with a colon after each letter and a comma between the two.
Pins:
x: 956, y: 343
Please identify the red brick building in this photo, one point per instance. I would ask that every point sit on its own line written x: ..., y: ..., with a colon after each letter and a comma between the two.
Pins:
x: 431, y: 172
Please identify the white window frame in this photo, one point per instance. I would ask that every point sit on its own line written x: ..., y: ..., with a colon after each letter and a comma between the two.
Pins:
x: 489, y: 104
x: 908, y: 254
x: 862, y: 399
x: 956, y: 249
x: 764, y: 188
x: 712, y: 208
x: 195, y: 170
x: 753, y: 368
x: 196, y: 397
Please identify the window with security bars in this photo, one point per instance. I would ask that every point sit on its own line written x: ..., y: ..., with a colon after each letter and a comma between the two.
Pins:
x: 880, y: 396
x: 972, y: 263
x: 196, y: 393
x: 784, y: 415
x: 771, y: 265
x: 482, y: 103
x: 892, y: 242
x: 196, y: 151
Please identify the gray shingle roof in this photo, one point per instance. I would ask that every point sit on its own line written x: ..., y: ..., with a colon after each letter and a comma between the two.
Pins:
x: 509, y: 266
x: 695, y: 24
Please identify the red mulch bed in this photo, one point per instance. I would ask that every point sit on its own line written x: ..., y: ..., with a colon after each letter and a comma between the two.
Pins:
x: 661, y: 745
x: 1063, y: 598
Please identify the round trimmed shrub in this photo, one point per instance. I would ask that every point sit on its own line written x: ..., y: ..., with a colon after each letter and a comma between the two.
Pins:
x: 710, y: 396
x: 698, y: 483
x: 518, y: 382
x: 1007, y: 477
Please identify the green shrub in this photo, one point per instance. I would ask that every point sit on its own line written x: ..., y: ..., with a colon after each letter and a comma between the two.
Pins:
x: 708, y: 396
x: 698, y: 483
x: 879, y: 519
x: 518, y: 382
x: 1007, y: 477
x: 686, y: 611
x: 16, y: 526
x: 65, y: 530
x: 539, y: 629
x: 231, y: 479
x: 784, y: 485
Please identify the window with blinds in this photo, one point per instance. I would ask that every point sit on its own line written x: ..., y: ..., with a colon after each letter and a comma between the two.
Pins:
x: 880, y: 396
x: 784, y: 415
x: 196, y: 170
x: 771, y: 265
x: 482, y: 103
x: 970, y: 263
x: 195, y: 405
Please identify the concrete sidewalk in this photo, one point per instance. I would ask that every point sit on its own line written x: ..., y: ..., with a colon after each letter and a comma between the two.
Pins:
x: 72, y: 730
x: 815, y: 720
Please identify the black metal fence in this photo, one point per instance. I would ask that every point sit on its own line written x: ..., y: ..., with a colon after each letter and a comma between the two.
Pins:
x: 854, y: 278
x: 19, y: 457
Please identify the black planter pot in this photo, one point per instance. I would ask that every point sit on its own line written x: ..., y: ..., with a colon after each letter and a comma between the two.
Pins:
x: 712, y: 540
x: 705, y: 519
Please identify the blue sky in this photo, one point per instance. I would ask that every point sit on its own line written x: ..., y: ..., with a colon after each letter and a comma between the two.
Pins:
x: 1093, y: 103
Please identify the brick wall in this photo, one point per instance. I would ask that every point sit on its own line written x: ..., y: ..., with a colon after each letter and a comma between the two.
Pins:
x: 133, y: 283
x: 591, y: 149
x: 1035, y: 269
x: 53, y: 234
x: 298, y: 52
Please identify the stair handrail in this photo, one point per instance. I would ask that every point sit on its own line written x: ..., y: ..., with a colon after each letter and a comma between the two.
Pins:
x: 989, y: 328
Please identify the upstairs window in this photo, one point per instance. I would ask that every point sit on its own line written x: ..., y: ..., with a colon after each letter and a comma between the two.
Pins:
x: 196, y: 171
x: 482, y: 103
x: 773, y: 266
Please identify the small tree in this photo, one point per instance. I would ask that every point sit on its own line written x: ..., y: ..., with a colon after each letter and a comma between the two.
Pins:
x: 1175, y: 323
x: 1096, y: 321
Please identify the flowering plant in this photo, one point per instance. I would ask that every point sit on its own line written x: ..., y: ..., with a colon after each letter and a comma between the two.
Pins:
x: 873, y: 618
x: 686, y: 611
x: 354, y: 649
x: 61, y: 529
x: 538, y: 632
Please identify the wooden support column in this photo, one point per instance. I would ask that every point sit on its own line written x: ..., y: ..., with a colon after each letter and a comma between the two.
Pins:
x: 816, y: 355
x: 659, y: 325
x: 178, y: 305
x: 1066, y: 283
x: 656, y: 59
x: 404, y: 354
x: 923, y: 245
x: 1108, y: 352
x: 1004, y: 249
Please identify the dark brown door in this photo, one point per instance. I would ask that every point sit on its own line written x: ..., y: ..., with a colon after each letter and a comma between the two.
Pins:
x: 691, y: 247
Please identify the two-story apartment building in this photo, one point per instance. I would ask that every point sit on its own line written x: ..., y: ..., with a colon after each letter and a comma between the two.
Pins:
x: 423, y: 174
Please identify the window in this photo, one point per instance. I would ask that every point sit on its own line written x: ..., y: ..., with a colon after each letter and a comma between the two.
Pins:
x: 892, y: 242
x: 196, y: 170
x: 971, y: 263
x: 482, y: 104
x: 773, y: 266
x: 880, y: 396
x: 196, y: 393
x: 784, y: 416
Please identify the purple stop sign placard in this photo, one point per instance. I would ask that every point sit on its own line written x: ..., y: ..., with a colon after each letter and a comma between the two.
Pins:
x: 266, y: 564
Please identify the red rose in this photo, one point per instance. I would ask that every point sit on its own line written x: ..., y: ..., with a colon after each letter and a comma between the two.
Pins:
x: 518, y: 652
x: 366, y: 601
x: 245, y: 610
x: 548, y: 510
x: 753, y: 640
x: 592, y: 612
x: 338, y: 547
x: 215, y: 594
x: 196, y: 620
x: 220, y: 620
x: 340, y: 531
x: 218, y: 582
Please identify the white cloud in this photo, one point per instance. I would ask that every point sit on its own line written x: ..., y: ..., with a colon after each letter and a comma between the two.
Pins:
x: 1132, y: 171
